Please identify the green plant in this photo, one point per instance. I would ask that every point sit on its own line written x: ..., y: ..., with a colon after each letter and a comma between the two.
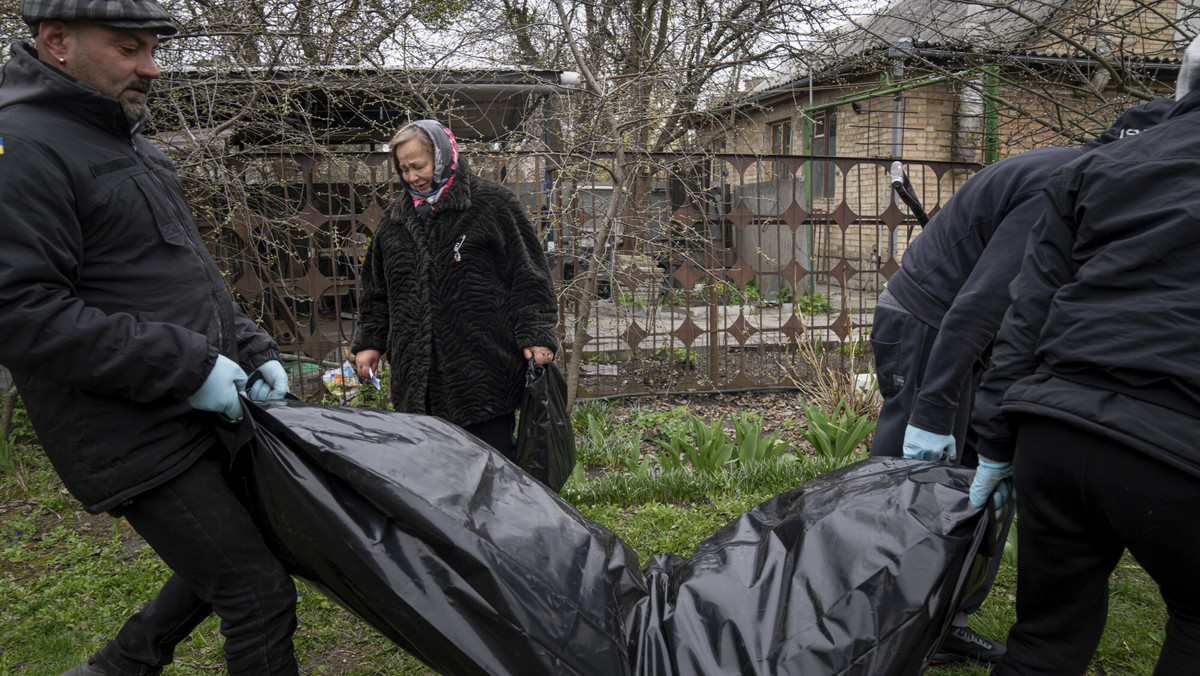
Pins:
x: 1010, y: 546
x: 600, y: 444
x: 854, y: 348
x: 752, y: 446
x: 633, y: 460
x: 370, y: 396
x: 671, y: 455
x: 784, y: 294
x: 20, y: 429
x: 813, y: 304
x: 584, y: 411
x: 8, y: 456
x: 711, y: 451
x: 837, y: 433
x: 628, y: 299
x: 662, y: 424
x: 681, y: 485
x: 675, y: 355
x: 750, y: 293
x: 578, y: 473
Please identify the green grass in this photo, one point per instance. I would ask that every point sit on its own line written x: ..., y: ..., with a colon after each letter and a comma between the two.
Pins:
x: 68, y: 580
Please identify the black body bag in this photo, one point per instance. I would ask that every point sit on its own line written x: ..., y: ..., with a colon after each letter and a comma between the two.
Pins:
x: 545, y: 437
x: 471, y: 565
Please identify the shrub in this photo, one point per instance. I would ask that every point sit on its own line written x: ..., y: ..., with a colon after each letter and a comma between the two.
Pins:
x: 628, y: 299
x: 838, y: 433
x: 675, y: 355
x: 813, y: 304
x: 712, y: 450
x: 752, y: 447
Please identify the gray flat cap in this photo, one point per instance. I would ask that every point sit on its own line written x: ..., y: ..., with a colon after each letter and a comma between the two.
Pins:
x: 121, y: 13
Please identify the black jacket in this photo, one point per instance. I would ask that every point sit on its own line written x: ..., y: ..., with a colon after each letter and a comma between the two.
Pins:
x: 454, y: 330
x: 955, y: 275
x: 112, y: 311
x: 956, y: 272
x: 1102, y: 331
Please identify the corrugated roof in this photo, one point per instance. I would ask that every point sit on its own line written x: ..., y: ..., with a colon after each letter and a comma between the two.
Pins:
x: 945, y: 23
x: 926, y: 26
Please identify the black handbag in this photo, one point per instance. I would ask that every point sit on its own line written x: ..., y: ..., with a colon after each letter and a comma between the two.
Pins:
x: 545, y: 438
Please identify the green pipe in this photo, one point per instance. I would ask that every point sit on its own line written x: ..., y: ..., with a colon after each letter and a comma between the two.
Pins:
x: 991, y: 115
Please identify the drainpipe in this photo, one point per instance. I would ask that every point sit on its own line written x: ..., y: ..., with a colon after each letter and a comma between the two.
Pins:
x: 991, y: 115
x: 969, y: 133
x: 897, y: 53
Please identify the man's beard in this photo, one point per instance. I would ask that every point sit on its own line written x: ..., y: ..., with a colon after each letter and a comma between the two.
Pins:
x: 138, y: 112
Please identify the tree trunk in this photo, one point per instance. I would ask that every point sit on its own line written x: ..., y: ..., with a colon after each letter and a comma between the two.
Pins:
x: 6, y: 412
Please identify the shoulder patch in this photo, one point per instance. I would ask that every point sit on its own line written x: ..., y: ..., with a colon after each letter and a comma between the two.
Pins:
x: 1, y: 146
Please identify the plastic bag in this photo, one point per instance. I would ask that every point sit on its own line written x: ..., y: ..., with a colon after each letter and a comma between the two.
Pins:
x: 342, y: 382
x: 474, y: 567
x: 545, y: 437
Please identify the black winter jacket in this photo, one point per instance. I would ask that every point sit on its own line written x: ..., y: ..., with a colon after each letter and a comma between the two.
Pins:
x: 1102, y: 331
x: 112, y: 311
x: 454, y: 330
x: 957, y: 269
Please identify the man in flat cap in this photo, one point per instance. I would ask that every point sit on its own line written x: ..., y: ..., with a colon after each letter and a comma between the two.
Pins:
x: 122, y: 338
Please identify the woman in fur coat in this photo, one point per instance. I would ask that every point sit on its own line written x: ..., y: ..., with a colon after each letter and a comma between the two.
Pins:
x: 455, y: 292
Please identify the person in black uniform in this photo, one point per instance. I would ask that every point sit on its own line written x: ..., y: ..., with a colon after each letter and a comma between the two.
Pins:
x: 122, y: 337
x: 1093, y: 399
x: 935, y: 322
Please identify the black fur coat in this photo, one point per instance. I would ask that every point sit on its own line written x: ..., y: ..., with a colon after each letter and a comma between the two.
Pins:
x: 452, y: 300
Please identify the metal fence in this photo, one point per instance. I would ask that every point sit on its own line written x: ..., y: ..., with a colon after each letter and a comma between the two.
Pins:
x: 719, y: 269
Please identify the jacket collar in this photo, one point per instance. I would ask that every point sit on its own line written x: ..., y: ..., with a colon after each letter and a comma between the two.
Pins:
x: 26, y: 79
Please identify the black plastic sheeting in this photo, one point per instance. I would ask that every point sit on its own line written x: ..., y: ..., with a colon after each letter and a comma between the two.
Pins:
x: 474, y: 567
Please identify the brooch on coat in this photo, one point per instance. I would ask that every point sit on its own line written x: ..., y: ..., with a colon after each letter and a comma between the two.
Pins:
x: 457, y: 255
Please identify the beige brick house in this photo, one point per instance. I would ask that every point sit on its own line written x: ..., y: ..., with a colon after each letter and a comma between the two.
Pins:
x: 944, y: 86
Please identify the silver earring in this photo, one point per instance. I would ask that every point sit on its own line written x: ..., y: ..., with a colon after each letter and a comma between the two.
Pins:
x: 61, y: 61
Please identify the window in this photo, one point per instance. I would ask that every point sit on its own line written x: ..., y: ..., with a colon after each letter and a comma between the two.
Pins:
x: 824, y: 142
x: 781, y: 144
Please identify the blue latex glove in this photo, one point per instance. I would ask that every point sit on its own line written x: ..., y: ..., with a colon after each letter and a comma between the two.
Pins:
x: 219, y: 393
x: 922, y: 444
x: 991, y: 479
x: 273, y: 385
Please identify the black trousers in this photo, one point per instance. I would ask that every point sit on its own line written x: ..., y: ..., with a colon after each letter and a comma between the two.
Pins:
x: 220, y: 564
x: 1083, y: 501
x: 498, y: 433
x: 901, y: 344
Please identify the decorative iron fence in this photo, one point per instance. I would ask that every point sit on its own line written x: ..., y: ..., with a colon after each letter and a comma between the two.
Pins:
x: 718, y: 269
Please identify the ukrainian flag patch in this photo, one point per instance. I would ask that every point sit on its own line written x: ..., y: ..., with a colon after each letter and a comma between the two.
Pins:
x: 1, y: 146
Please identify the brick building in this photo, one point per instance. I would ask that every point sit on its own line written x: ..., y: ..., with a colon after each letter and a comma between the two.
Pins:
x: 946, y: 86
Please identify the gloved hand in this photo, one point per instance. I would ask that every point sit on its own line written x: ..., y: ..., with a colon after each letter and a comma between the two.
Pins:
x: 991, y: 479
x: 219, y: 393
x: 922, y: 444
x: 273, y: 385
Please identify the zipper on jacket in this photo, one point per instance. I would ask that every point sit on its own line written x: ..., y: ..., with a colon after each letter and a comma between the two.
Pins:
x: 212, y: 286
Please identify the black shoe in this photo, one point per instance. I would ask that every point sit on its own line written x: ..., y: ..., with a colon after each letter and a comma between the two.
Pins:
x: 85, y: 669
x: 962, y: 644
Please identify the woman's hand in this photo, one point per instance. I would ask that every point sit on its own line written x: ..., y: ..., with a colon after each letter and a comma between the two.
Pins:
x: 366, y: 362
x: 539, y: 354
